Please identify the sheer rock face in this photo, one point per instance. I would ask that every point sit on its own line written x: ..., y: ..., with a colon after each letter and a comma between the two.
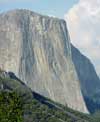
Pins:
x: 37, y: 49
x: 90, y: 82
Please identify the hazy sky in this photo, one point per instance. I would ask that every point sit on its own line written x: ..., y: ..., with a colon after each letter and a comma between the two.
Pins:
x: 50, y: 7
x: 82, y: 16
x: 84, y: 26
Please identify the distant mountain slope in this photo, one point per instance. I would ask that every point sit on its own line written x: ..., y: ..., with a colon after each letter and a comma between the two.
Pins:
x: 37, y: 49
x: 40, y: 108
x: 90, y: 82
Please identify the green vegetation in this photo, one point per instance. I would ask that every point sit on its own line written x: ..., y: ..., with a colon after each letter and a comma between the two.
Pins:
x: 11, y: 107
x: 96, y: 116
x: 19, y: 104
x: 42, y: 113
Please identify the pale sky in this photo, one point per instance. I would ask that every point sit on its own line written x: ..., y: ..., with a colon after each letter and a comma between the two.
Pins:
x: 83, y: 21
x: 82, y: 17
x: 48, y: 7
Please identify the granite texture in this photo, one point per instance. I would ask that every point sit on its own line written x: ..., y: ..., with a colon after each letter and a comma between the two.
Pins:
x: 37, y: 49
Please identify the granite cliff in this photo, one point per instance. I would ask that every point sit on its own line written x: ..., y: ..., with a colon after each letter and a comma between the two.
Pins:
x: 90, y: 82
x: 38, y: 50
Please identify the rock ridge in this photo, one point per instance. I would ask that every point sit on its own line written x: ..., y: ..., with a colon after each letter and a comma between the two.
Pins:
x: 38, y: 50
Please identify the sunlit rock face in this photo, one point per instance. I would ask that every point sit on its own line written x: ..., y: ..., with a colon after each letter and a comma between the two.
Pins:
x: 37, y: 49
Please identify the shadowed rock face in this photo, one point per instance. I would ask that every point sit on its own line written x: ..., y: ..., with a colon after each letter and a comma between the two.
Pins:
x: 90, y: 82
x: 37, y: 49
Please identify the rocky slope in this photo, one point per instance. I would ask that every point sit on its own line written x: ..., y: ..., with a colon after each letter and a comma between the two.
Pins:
x: 37, y: 49
x: 90, y: 82
x: 9, y: 82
